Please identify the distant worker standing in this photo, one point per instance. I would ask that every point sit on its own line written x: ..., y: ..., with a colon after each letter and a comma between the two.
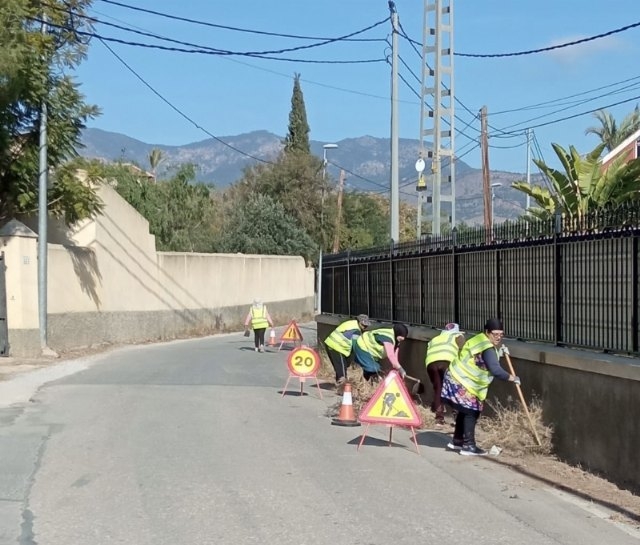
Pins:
x: 373, y: 346
x: 339, y: 345
x: 441, y: 351
x: 466, y: 383
x: 259, y: 320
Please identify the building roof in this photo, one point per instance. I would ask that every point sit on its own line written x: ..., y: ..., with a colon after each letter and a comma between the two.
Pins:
x: 618, y: 149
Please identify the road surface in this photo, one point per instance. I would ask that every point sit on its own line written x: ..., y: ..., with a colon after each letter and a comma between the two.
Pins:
x: 191, y: 442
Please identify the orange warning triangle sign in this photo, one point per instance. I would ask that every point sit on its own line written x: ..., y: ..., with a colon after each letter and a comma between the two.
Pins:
x: 391, y: 404
x: 292, y: 333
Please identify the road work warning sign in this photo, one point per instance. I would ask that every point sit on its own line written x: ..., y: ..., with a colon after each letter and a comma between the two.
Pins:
x: 391, y: 404
x: 292, y: 333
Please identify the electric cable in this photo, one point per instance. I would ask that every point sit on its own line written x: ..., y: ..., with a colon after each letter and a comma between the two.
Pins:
x: 226, y: 27
x: 178, y: 111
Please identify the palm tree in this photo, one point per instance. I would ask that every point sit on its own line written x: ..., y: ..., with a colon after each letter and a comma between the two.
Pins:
x: 583, y: 186
x: 609, y: 133
x: 155, y: 158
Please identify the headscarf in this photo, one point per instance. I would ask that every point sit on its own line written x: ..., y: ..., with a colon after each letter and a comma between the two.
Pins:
x: 400, y: 330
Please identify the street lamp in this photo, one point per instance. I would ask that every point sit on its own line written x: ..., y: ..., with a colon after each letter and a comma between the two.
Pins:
x: 325, y: 147
x: 493, y: 196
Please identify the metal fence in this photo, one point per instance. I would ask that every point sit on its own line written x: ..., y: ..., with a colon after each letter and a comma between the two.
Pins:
x: 563, y: 281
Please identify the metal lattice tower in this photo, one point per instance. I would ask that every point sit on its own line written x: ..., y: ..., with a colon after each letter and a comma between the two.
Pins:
x: 437, y: 121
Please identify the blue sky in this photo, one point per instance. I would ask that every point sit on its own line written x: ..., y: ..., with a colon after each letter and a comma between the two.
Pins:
x: 233, y: 95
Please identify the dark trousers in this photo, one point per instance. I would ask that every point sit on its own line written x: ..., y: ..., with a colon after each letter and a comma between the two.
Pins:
x: 465, y: 430
x: 436, y: 372
x: 258, y: 336
x: 339, y: 363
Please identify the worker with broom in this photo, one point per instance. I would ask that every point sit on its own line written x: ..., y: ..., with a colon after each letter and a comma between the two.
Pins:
x: 441, y: 351
x: 339, y: 345
x: 374, y: 345
x: 467, y: 381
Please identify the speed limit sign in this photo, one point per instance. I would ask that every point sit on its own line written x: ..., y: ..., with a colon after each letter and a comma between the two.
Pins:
x: 303, y: 362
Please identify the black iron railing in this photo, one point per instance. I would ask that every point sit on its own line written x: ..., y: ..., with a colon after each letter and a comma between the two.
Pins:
x: 565, y: 281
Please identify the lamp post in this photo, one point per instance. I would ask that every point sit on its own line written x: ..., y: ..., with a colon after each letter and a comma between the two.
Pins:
x: 324, y: 175
x: 493, y: 196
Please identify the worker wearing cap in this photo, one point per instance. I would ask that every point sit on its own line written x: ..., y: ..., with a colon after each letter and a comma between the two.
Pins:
x: 374, y: 345
x: 339, y: 345
x: 441, y: 351
x: 466, y: 383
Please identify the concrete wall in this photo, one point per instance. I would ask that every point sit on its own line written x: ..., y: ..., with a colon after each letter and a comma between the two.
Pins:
x: 108, y: 284
x: 590, y: 399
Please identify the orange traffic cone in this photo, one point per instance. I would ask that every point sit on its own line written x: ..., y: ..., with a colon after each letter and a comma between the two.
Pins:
x: 272, y: 337
x: 346, y: 417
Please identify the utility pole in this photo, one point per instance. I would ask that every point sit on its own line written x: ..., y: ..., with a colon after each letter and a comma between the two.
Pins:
x: 43, y: 215
x: 437, y: 71
x: 486, y: 175
x: 336, y: 238
x: 395, y: 162
x: 528, y: 201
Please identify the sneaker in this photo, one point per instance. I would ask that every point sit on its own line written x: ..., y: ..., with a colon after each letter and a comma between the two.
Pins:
x: 454, y: 446
x: 262, y: 348
x: 255, y: 349
x: 472, y: 450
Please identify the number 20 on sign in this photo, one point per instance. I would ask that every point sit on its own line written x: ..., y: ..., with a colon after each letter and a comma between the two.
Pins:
x: 303, y: 362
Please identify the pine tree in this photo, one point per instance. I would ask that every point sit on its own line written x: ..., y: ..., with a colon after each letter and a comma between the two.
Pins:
x: 298, y: 137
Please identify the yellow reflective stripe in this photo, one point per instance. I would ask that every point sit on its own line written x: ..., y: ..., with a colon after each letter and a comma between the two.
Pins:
x: 465, y: 371
x: 259, y: 321
x: 367, y: 342
x: 442, y: 348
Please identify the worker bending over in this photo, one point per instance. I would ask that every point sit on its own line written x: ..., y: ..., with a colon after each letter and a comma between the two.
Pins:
x: 339, y: 345
x: 373, y: 346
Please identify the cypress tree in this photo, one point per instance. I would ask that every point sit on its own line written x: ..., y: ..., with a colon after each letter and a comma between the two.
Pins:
x: 297, y: 139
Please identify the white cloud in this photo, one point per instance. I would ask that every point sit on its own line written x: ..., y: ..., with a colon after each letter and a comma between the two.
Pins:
x: 584, y: 51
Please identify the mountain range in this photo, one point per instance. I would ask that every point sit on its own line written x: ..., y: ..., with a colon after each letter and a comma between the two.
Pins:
x: 365, y: 160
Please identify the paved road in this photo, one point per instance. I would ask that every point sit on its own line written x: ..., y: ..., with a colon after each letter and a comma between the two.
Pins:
x: 190, y: 442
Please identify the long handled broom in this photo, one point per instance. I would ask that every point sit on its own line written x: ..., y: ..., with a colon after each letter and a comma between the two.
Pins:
x: 505, y: 351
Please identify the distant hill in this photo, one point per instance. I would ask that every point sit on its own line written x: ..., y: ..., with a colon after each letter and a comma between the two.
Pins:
x: 365, y: 156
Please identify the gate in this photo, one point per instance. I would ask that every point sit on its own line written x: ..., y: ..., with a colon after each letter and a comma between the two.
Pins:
x: 4, y: 330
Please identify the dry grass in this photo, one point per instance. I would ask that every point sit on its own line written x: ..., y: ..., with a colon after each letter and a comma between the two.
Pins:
x: 510, y: 430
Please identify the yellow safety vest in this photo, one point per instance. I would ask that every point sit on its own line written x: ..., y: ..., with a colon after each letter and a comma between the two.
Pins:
x: 465, y: 371
x: 259, y: 317
x: 443, y: 347
x: 338, y: 341
x: 368, y: 342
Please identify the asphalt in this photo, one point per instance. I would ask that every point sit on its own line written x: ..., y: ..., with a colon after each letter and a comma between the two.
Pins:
x: 192, y: 442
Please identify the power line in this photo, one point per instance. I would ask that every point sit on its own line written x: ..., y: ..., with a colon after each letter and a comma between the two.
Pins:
x: 180, y: 112
x: 223, y: 51
x: 560, y: 99
x: 282, y: 74
x: 550, y: 48
x: 628, y: 88
x: 226, y: 27
x: 204, y: 51
x: 554, y: 121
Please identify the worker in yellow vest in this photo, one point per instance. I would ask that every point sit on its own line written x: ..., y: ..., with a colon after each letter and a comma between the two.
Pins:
x: 375, y: 345
x: 339, y: 345
x: 441, y: 351
x: 466, y: 383
x: 259, y: 319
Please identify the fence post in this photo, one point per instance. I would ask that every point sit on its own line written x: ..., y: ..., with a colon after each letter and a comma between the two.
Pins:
x: 634, y: 292
x: 349, y: 282
x: 498, y: 292
x: 557, y: 279
x: 368, y: 292
x: 391, y: 305
x: 456, y: 294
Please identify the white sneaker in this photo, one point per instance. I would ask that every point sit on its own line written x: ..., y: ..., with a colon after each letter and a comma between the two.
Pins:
x: 262, y: 348
x: 451, y: 446
x: 255, y: 349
